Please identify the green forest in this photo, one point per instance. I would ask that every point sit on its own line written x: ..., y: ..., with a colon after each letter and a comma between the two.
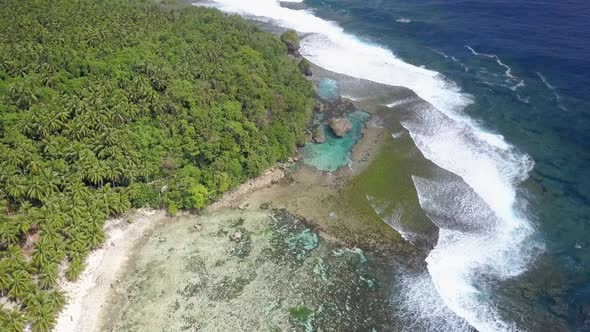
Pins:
x: 109, y: 105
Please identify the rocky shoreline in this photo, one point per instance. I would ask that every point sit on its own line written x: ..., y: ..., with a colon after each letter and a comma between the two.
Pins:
x: 316, y: 200
x: 350, y: 259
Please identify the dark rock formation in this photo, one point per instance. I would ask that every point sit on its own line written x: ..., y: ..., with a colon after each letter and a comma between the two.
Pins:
x: 318, y: 135
x: 336, y: 108
x: 291, y: 39
x: 236, y: 236
x: 318, y: 106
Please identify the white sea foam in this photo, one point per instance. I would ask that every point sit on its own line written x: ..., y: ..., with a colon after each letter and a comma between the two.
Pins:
x: 516, y: 82
x: 401, y: 102
x: 455, y: 60
x: 481, y: 232
x: 404, y: 20
x: 397, y: 135
x: 553, y: 90
x: 422, y: 309
x: 350, y: 97
x: 328, y: 46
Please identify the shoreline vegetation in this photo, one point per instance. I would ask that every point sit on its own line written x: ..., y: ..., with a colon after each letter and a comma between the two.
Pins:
x: 151, y: 106
x: 89, y: 297
x: 191, y: 108
x: 101, y: 295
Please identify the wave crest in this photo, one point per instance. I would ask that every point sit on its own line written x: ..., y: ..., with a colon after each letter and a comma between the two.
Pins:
x: 480, y: 226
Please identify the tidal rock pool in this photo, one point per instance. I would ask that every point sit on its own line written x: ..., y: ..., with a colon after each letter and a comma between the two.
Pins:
x: 251, y: 271
x: 334, y: 153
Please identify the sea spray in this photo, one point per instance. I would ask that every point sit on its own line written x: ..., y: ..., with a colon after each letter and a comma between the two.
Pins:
x: 422, y: 309
x: 481, y: 232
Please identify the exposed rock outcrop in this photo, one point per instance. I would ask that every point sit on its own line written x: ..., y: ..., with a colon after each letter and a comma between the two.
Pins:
x: 337, y: 108
x: 318, y: 135
x: 236, y: 236
x: 318, y: 106
x: 340, y: 126
x: 291, y: 39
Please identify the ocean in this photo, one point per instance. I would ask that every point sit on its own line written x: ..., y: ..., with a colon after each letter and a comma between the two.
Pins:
x: 507, y: 91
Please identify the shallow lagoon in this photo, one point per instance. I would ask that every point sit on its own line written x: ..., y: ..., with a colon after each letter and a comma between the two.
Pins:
x: 281, y: 276
x: 335, y: 152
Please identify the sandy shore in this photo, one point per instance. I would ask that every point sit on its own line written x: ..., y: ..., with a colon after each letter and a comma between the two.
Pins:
x: 306, y: 192
x: 317, y: 196
x: 104, y: 266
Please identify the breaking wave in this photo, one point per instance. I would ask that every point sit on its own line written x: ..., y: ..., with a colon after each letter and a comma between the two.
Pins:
x: 482, y: 234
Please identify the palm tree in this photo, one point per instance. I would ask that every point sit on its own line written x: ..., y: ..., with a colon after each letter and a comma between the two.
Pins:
x: 30, y: 128
x: 95, y: 237
x: 6, y: 169
x: 17, y: 186
x: 78, y: 128
x: 20, y: 285
x: 74, y: 106
x: 22, y: 96
x: 75, y: 268
x: 36, y: 190
x: 77, y: 244
x: 56, y: 121
x: 41, y: 256
x: 35, y: 165
x: 74, y: 151
x: 12, y: 320
x: 42, y: 307
x: 77, y: 208
x: 4, y: 278
x: 48, y: 276
x: 55, y: 222
x: 77, y: 191
x: 16, y: 160
x: 22, y: 225
x: 53, y: 241
x: 50, y: 145
x: 101, y: 123
x: 14, y: 258
x: 8, y: 233
x: 97, y: 173
x: 49, y: 178
x: 57, y: 299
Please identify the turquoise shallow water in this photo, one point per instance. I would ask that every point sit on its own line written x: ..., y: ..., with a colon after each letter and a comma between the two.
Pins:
x: 335, y: 152
x: 328, y: 89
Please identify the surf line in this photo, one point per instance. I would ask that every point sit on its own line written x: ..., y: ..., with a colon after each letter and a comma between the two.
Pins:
x: 508, y: 71
x: 486, y: 163
x: 553, y: 90
x: 446, y: 56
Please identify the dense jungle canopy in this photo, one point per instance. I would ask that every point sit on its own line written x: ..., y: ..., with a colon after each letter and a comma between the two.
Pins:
x: 108, y: 105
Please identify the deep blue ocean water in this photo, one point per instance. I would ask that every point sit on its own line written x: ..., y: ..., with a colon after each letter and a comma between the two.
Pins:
x: 527, y: 64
